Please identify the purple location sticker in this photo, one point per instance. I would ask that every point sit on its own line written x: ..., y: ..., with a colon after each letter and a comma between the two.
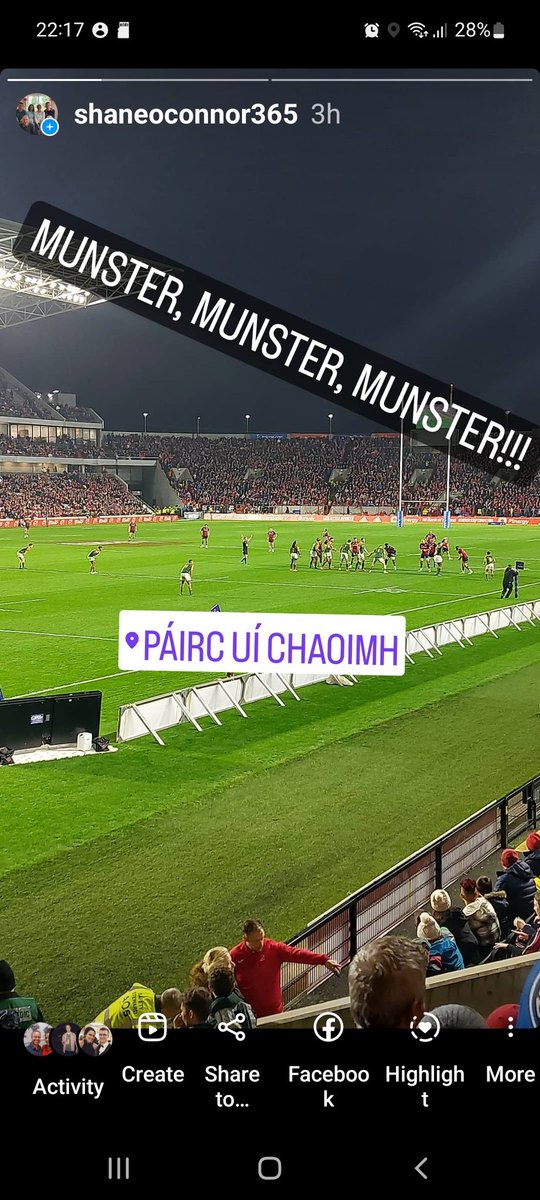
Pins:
x: 132, y: 639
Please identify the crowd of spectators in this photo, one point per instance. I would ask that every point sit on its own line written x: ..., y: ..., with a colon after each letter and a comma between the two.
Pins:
x: 76, y: 412
x: 240, y: 473
x: 297, y: 471
x: 387, y: 977
x: 66, y: 447
x: 260, y: 474
x: 62, y: 494
x: 23, y: 404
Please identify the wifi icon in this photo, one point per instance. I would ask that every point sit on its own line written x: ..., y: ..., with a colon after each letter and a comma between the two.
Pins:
x: 418, y: 29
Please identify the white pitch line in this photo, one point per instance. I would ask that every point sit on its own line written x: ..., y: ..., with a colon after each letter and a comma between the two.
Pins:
x: 17, y: 603
x: 66, y: 687
x: 460, y: 599
x: 77, y: 637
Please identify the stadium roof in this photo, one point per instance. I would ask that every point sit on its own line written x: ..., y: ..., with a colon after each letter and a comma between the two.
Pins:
x: 29, y: 294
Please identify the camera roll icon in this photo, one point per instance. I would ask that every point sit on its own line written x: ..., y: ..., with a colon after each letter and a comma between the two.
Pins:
x: 328, y: 1027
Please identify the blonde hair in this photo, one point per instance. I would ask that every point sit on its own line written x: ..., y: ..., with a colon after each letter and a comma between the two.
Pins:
x: 218, y: 956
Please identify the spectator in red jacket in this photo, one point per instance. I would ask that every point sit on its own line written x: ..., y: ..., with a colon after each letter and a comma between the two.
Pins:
x: 257, y: 961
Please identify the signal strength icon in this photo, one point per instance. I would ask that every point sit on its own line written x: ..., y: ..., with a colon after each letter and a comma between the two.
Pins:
x: 418, y: 29
x: 441, y: 32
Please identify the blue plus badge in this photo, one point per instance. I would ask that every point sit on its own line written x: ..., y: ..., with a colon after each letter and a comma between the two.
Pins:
x: 49, y: 126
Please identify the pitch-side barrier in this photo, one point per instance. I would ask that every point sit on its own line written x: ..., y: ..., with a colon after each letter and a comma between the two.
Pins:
x: 192, y: 704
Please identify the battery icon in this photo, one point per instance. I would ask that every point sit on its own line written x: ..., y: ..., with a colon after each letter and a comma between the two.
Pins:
x: 498, y: 30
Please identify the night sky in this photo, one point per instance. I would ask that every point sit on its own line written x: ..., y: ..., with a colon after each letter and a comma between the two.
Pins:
x: 413, y: 227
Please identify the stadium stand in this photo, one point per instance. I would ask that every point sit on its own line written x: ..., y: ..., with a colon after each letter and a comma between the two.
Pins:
x: 65, y: 494
x: 264, y: 473
x: 75, y: 412
x: 260, y: 474
x: 16, y: 400
x: 65, y: 447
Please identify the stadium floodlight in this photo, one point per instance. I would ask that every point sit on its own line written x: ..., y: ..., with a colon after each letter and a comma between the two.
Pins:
x: 330, y: 419
x: 248, y: 419
x: 29, y: 293
x: 145, y: 415
x: 198, y: 426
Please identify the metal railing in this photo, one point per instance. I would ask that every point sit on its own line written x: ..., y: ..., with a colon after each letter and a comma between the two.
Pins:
x: 404, y: 890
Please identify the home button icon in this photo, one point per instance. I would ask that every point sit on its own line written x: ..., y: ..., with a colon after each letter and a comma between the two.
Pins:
x: 269, y: 1168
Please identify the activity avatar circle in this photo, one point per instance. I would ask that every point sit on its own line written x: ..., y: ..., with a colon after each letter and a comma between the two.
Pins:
x: 37, y: 1039
x: 65, y: 1039
x: 95, y: 1039
x: 37, y: 114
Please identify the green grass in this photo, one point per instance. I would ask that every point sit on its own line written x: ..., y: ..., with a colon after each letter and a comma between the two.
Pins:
x: 130, y: 865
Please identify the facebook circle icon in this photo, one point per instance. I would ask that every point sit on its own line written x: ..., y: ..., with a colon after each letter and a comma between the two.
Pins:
x: 328, y: 1027
x: 49, y: 126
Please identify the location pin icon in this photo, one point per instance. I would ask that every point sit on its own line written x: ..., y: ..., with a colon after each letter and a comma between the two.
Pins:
x: 393, y: 29
x: 132, y: 639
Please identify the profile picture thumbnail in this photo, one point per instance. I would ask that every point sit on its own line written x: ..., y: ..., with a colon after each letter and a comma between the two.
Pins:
x: 37, y: 1039
x: 95, y: 1039
x: 65, y: 1039
x: 33, y: 110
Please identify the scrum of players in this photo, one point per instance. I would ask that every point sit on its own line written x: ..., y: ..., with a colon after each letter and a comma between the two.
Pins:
x: 353, y: 554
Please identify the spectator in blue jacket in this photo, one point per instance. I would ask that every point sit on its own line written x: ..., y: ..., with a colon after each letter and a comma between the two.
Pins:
x: 442, y: 944
x: 532, y: 853
x: 517, y: 880
x: 453, y: 919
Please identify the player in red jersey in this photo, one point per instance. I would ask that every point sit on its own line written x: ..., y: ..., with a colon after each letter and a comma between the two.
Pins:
x: 424, y: 552
x: 445, y: 548
x: 271, y: 539
x: 205, y: 534
x: 132, y: 528
x: 432, y: 550
x: 464, y: 558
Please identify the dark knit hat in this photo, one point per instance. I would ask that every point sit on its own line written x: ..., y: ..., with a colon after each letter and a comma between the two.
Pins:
x: 508, y: 857
x: 7, y: 978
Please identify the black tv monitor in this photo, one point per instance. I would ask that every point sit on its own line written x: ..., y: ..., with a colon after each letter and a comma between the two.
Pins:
x: 26, y: 724
x: 75, y: 713
x: 31, y: 722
